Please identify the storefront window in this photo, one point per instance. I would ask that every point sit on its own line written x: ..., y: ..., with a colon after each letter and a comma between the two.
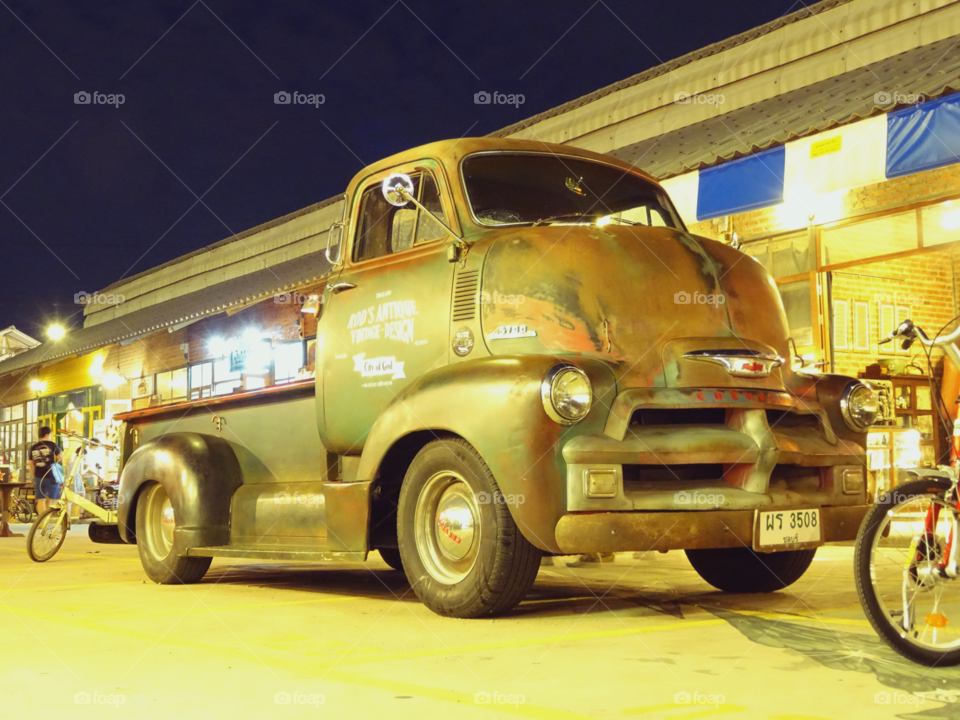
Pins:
x: 860, y: 241
x: 941, y: 223
x: 784, y: 257
x: 172, y: 385
x: 13, y: 435
x: 225, y: 381
x: 287, y: 361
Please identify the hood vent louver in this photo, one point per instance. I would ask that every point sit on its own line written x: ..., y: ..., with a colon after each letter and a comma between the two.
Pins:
x: 465, y: 296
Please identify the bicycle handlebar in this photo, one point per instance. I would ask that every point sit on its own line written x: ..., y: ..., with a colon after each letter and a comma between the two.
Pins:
x: 88, y: 441
x: 908, y: 331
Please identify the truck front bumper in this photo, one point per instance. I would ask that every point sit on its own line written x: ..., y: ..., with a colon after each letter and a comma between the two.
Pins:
x: 604, y: 532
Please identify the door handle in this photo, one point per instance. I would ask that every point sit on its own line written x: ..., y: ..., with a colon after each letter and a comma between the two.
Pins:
x: 341, y: 286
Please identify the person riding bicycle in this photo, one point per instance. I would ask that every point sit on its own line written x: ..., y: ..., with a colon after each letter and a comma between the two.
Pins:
x: 42, y: 458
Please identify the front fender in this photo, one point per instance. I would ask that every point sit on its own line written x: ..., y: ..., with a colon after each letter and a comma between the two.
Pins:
x: 200, y: 474
x: 494, y: 403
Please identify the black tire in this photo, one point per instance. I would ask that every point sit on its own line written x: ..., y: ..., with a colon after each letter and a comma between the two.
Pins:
x: 872, y: 524
x: 158, y: 553
x: 41, y: 543
x: 22, y: 511
x: 499, y: 565
x: 391, y: 556
x: 741, y: 570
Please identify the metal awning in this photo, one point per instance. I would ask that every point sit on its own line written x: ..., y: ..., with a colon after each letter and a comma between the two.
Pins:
x: 222, y: 297
x: 932, y: 70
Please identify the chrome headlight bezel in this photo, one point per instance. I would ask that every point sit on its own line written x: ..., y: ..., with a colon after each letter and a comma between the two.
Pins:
x: 847, y: 403
x: 550, y: 387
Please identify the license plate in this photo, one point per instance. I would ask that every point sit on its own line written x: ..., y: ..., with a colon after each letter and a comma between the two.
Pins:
x: 788, y: 528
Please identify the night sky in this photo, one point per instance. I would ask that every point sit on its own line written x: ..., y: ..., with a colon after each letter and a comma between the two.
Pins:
x: 91, y: 193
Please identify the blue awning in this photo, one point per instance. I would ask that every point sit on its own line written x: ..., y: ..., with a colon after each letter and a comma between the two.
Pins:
x: 747, y: 183
x: 923, y: 136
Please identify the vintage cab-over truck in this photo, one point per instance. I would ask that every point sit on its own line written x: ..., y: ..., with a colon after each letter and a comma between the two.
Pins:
x: 521, y: 351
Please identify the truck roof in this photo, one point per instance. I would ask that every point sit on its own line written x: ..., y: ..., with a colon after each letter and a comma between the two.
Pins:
x: 450, y: 152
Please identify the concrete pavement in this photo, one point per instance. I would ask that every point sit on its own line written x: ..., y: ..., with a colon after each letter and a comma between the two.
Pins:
x: 86, y: 635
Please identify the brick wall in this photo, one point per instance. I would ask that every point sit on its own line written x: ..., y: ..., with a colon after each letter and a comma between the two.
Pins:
x: 922, y: 283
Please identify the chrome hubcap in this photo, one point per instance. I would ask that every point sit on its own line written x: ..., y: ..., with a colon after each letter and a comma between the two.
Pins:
x: 447, y: 527
x: 162, y: 523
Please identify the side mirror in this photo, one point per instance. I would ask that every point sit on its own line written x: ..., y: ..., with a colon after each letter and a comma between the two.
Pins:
x: 335, y: 229
x: 398, y: 189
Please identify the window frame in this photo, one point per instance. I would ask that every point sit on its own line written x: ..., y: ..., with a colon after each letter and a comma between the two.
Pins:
x: 425, y: 165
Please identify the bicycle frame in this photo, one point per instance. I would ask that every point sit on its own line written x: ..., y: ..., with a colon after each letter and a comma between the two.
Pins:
x: 108, y: 517
x: 947, y: 567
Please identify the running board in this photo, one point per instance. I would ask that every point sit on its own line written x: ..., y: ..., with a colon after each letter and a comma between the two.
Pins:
x: 304, y: 554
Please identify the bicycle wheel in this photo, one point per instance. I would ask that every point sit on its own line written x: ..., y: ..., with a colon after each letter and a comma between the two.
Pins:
x: 47, y: 535
x: 899, y: 572
x: 22, y: 511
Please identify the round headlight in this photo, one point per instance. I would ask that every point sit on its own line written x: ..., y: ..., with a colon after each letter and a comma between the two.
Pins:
x: 860, y: 406
x: 566, y: 394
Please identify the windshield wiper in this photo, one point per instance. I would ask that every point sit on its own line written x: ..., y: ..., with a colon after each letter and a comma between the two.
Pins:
x: 565, y: 216
x: 624, y: 221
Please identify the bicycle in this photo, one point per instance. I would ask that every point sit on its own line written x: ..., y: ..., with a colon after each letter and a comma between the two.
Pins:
x: 48, y: 532
x: 20, y: 509
x: 908, y: 548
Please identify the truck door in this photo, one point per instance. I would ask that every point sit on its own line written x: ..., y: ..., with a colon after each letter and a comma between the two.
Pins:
x: 386, y: 320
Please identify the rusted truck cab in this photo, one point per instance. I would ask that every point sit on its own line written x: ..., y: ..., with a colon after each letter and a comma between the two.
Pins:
x: 522, y: 350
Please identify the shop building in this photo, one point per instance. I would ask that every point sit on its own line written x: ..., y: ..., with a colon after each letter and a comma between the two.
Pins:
x: 234, y: 316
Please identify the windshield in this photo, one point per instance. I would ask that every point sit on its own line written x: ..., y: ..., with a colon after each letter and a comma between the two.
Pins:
x: 538, y: 188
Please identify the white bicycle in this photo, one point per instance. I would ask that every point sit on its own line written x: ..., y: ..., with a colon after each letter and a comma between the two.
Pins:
x: 907, y: 551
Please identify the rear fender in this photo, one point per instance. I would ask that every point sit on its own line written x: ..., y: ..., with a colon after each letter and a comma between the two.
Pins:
x: 200, y: 474
x: 494, y: 403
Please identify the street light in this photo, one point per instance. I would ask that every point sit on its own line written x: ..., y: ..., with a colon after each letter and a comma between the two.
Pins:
x: 37, y: 385
x: 56, y: 332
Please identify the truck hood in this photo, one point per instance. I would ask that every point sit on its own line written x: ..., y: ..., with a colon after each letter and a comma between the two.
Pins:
x: 642, y: 298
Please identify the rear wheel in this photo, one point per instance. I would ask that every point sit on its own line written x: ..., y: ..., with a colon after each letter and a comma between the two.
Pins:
x: 22, y: 510
x: 47, y: 535
x: 741, y: 570
x: 156, y: 522
x: 461, y: 550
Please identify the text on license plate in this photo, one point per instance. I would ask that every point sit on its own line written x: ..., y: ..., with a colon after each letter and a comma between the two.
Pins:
x: 788, y: 527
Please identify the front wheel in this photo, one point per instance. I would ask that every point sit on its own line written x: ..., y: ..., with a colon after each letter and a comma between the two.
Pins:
x: 156, y: 523
x: 462, y: 552
x: 900, y: 573
x: 47, y: 535
x: 742, y: 570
